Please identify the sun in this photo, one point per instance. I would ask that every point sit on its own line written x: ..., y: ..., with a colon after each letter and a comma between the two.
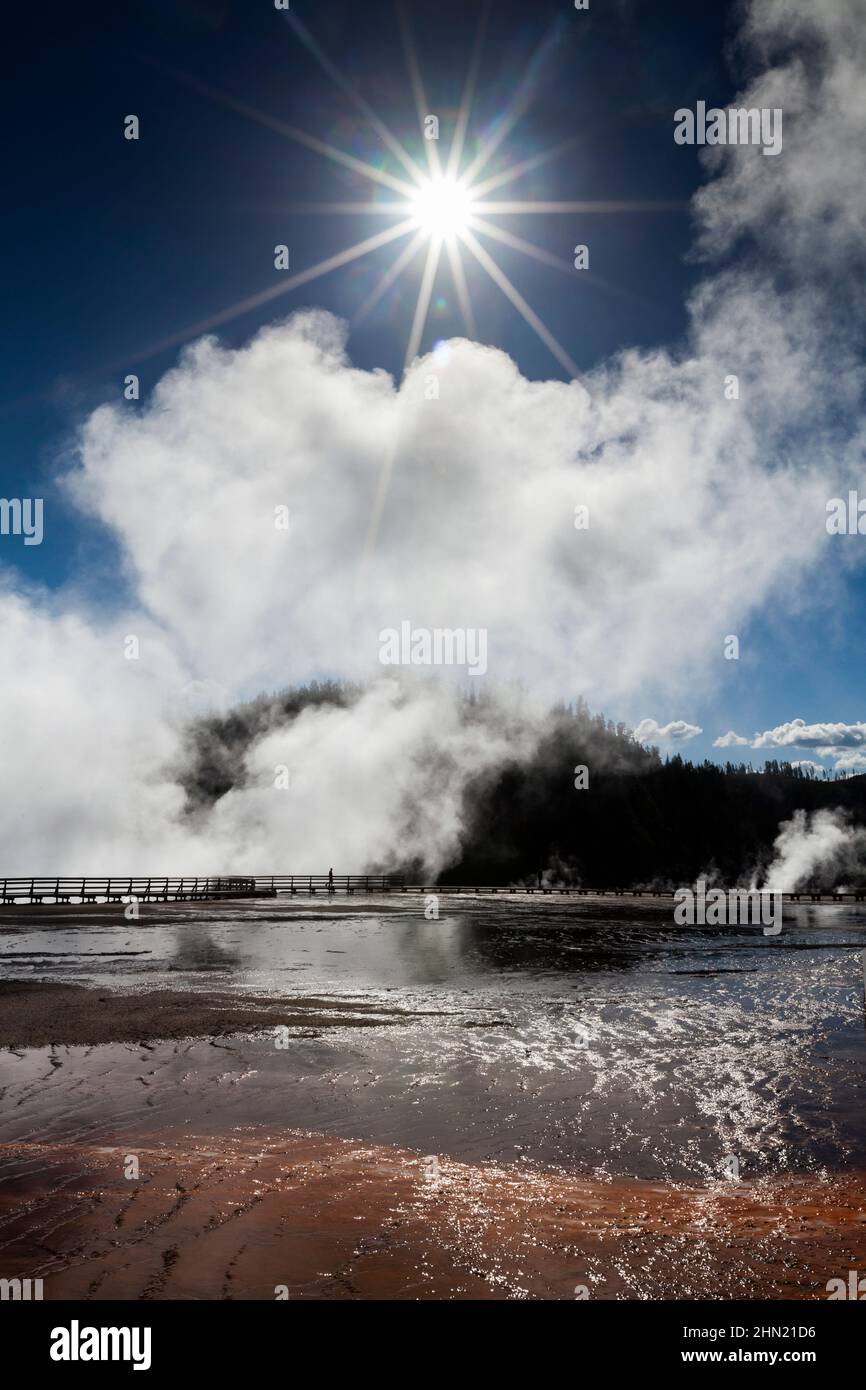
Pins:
x: 442, y: 208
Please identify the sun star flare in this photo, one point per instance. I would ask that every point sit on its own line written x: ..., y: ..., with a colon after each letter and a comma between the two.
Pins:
x: 443, y: 208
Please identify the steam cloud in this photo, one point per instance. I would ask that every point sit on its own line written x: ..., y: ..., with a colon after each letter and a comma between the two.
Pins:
x: 703, y: 511
x: 815, y: 850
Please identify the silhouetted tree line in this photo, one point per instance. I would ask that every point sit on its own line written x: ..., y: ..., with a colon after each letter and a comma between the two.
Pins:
x: 642, y: 819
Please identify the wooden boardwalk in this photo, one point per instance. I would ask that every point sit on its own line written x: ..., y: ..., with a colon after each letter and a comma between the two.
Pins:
x: 145, y: 890
x: 23, y: 891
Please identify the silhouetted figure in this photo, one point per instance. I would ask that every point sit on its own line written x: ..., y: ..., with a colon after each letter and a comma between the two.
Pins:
x: 330, y: 880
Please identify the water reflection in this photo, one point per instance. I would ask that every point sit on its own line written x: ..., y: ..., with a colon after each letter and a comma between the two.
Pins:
x: 197, y: 949
x: 596, y: 1037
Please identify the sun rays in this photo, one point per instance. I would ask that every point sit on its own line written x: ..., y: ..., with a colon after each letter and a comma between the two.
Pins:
x: 442, y: 205
x: 446, y: 207
x: 440, y: 215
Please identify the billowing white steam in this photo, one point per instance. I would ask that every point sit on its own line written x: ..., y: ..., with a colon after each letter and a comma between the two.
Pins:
x: 820, y: 849
x: 349, y: 787
x: 703, y: 511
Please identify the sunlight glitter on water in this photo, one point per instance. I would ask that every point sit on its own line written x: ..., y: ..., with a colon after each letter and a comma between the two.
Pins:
x: 596, y: 1041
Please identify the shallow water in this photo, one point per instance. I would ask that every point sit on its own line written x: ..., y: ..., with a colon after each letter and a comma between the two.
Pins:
x: 591, y: 1036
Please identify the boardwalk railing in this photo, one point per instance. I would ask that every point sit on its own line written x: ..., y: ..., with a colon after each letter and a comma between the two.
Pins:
x: 93, y: 890
x: 168, y: 889
x: 333, y: 883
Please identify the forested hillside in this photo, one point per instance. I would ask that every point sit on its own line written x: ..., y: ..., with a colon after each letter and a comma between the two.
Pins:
x: 641, y: 819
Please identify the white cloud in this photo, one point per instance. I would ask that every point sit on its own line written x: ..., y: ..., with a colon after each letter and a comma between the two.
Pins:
x: 825, y: 738
x: 678, y: 731
x: 851, y: 762
x: 730, y: 740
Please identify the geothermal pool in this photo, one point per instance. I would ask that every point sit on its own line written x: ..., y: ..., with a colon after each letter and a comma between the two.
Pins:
x: 590, y: 1037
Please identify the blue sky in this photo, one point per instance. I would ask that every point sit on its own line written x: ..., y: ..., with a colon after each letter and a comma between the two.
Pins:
x: 111, y: 247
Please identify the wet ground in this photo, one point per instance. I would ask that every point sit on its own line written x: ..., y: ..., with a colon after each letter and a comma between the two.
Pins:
x: 579, y: 1042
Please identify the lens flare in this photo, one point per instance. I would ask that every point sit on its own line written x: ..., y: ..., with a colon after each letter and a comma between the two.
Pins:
x: 442, y: 208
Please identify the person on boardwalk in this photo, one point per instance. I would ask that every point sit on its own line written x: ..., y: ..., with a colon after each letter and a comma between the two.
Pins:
x: 330, y: 880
